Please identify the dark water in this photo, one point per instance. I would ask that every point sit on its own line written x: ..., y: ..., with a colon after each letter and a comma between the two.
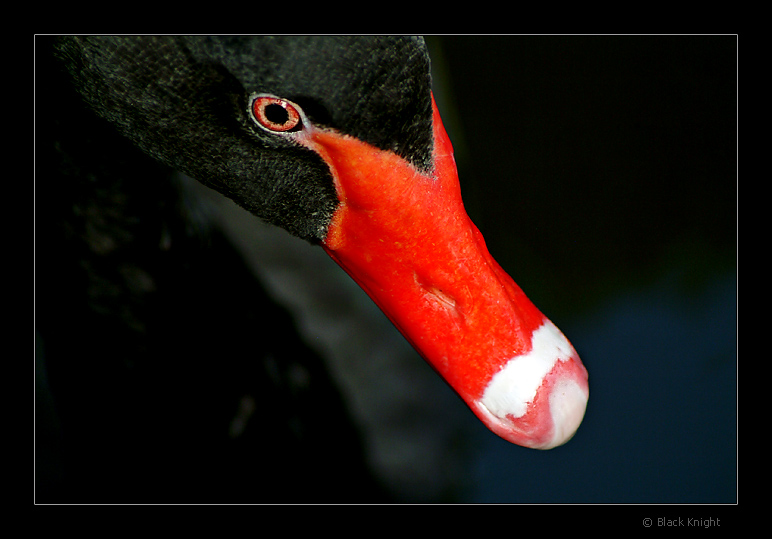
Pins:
x: 602, y: 172
x: 661, y: 423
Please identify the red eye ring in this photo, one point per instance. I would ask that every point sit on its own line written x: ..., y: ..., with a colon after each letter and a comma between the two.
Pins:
x: 276, y: 114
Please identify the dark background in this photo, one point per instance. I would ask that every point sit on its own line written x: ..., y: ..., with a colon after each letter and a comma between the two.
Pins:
x: 602, y: 171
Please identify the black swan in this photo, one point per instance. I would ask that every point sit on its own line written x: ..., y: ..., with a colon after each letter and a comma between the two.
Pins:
x: 338, y: 140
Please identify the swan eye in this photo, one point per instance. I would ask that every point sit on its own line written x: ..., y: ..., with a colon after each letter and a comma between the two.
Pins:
x: 275, y: 114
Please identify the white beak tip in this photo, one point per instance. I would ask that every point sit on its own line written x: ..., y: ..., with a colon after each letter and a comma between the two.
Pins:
x: 537, y: 399
x: 568, y: 402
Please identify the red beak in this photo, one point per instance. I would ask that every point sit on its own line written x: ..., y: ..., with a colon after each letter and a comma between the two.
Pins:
x: 406, y: 239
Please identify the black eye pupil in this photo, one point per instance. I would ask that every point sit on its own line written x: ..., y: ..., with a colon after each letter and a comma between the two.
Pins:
x: 276, y: 114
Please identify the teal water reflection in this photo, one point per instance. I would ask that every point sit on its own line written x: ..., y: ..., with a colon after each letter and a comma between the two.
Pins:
x: 661, y: 425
